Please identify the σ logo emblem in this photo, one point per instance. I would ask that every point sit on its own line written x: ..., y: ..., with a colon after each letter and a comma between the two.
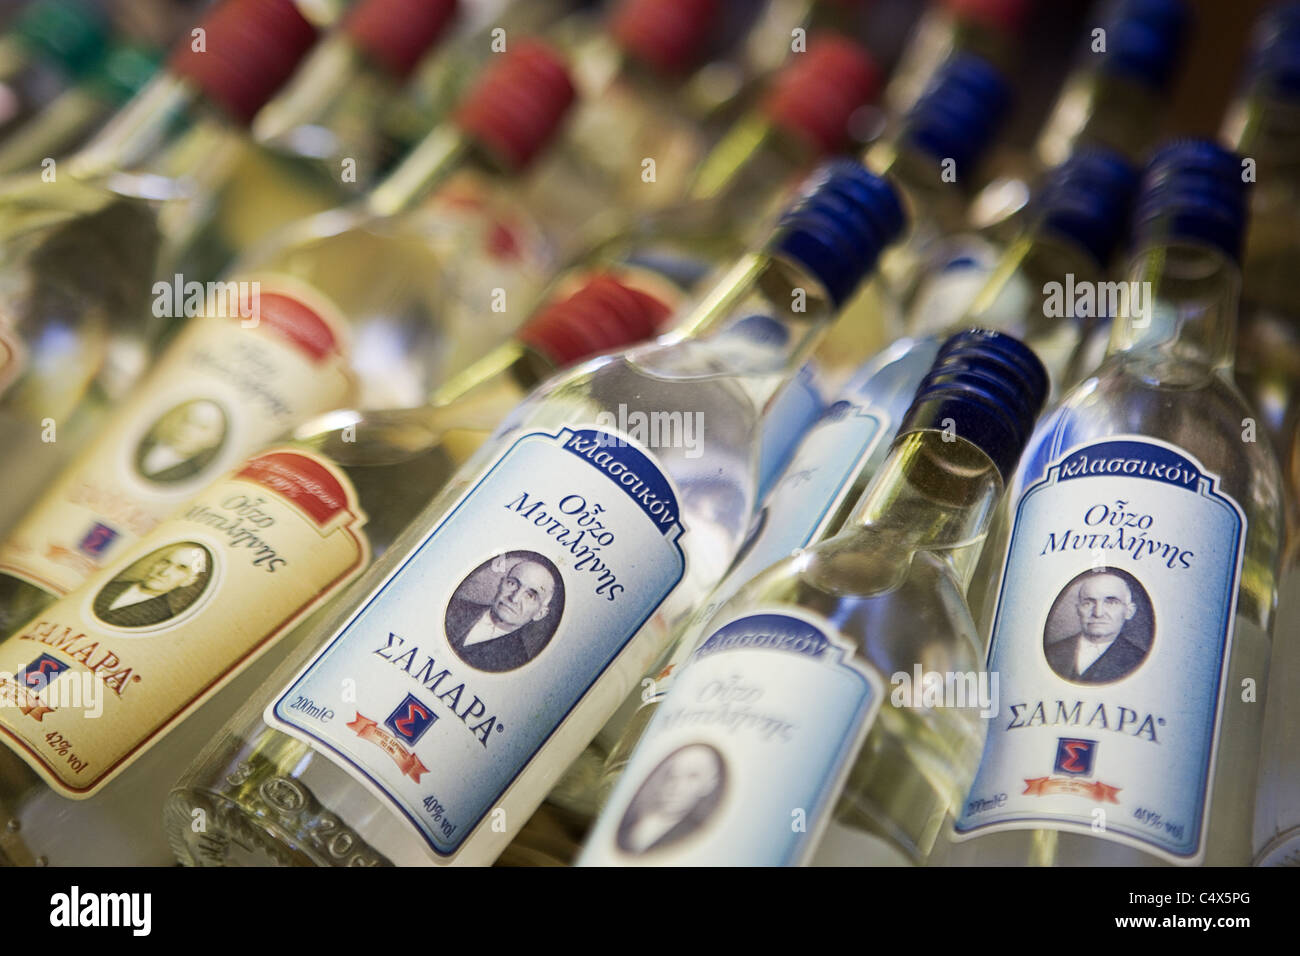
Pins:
x: 410, y: 720
x: 1074, y: 756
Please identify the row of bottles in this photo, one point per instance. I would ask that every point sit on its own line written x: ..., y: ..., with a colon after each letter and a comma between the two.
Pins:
x: 581, y: 463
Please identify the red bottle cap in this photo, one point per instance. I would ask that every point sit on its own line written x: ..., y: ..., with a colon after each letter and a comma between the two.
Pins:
x: 1006, y: 16
x: 518, y: 103
x: 397, y: 33
x: 249, y: 48
x: 667, y: 35
x: 601, y: 316
x: 816, y: 94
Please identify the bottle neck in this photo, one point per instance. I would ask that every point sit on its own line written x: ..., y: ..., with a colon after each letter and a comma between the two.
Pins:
x: 933, y: 208
x: 1039, y: 292
x: 158, y: 117
x: 512, y: 367
x: 431, y: 163
x: 1181, y: 309
x: 1267, y: 129
x: 331, y: 72
x: 931, y: 494
x: 742, y: 162
x: 932, y: 202
x: 1098, y: 107
x: 763, y: 283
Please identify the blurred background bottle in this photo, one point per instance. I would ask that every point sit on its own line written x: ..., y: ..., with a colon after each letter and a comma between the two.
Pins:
x: 275, y: 540
x: 48, y: 47
x: 80, y: 239
x: 293, y: 334
x: 1116, y: 96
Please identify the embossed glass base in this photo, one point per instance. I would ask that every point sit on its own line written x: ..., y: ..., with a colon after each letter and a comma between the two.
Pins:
x: 258, y: 816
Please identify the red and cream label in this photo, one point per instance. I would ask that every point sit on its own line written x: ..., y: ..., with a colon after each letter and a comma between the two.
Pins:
x: 105, y: 671
x: 226, y: 387
x: 12, y: 357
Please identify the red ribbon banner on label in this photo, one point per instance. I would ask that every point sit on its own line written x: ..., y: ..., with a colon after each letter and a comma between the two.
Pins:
x: 407, y: 762
x: 1045, y: 786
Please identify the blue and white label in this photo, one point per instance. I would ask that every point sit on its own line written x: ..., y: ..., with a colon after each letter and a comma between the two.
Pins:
x: 1111, y: 640
x: 745, y: 757
x: 811, y: 489
x: 801, y: 505
x: 473, y: 651
x: 953, y: 277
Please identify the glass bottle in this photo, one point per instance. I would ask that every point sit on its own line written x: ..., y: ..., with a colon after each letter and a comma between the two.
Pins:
x: 1078, y: 220
x: 317, y: 143
x: 659, y: 518
x: 934, y: 153
x: 1114, y: 97
x: 330, y: 108
x: 76, y: 113
x: 1263, y: 125
x: 782, y: 706
x: 1139, y: 584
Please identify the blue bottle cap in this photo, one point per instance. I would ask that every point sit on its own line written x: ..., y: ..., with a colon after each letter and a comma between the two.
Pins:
x: 1273, y: 63
x: 1142, y: 52
x: 1192, y: 190
x: 1145, y: 39
x: 986, y: 387
x: 959, y: 113
x: 1086, y: 200
x: 838, y: 228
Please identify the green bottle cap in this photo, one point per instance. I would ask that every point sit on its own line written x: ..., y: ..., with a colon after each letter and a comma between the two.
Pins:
x: 124, y: 70
x: 70, y: 33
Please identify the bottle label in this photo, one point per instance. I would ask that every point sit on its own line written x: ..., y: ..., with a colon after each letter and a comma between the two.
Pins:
x: 228, y: 386
x: 106, y: 671
x: 810, y: 491
x: 458, y: 668
x: 1111, y: 640
x: 747, y: 753
x: 1284, y: 851
x: 953, y: 276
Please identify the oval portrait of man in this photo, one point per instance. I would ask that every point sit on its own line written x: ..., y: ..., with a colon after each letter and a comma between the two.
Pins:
x: 162, y: 585
x: 505, y: 611
x: 1100, y: 628
x: 676, y: 800
x: 182, y: 442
